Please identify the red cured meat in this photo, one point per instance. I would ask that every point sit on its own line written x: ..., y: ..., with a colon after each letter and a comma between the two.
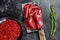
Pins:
x: 26, y: 10
x: 33, y: 17
x: 38, y: 21
x: 30, y: 23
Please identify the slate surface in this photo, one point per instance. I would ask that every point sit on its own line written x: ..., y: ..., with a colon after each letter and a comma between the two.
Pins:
x: 45, y: 4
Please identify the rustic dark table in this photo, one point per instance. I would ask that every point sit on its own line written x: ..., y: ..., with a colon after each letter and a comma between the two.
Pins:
x: 45, y: 5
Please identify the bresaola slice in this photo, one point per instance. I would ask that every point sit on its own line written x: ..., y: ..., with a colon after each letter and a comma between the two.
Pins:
x: 33, y: 18
x: 38, y: 21
x: 30, y: 24
x: 26, y: 10
x: 35, y: 9
x: 10, y: 30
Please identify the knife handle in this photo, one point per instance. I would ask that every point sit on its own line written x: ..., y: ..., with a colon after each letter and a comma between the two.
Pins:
x: 42, y: 34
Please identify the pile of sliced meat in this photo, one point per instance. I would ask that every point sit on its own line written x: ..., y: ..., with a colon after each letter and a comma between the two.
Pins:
x: 9, y: 30
x: 33, y: 17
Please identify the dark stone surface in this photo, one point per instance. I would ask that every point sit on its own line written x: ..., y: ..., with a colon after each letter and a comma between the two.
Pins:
x: 15, y: 6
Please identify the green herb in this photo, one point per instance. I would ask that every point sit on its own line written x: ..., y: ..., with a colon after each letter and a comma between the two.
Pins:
x: 52, y: 20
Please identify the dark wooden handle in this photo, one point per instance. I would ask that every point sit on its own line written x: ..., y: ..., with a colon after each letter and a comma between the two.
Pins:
x: 42, y: 34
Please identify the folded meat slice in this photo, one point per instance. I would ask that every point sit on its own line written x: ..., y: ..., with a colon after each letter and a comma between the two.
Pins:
x: 29, y: 23
x: 38, y: 21
x: 26, y: 10
x: 33, y: 17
